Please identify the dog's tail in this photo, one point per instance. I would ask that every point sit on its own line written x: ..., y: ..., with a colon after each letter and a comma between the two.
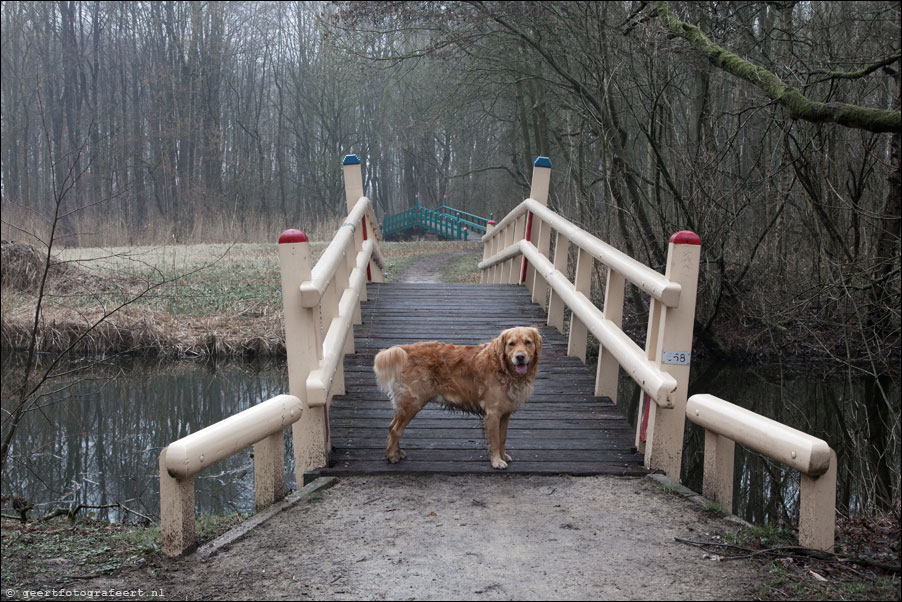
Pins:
x: 388, y: 366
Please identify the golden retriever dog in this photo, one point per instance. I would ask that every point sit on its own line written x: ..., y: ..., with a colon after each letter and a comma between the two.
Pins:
x: 491, y: 380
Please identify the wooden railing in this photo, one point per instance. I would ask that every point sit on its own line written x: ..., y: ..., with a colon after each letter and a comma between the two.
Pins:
x: 517, y: 251
x: 321, y: 304
x: 726, y: 424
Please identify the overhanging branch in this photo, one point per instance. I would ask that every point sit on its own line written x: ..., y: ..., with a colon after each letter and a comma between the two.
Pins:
x: 798, y: 105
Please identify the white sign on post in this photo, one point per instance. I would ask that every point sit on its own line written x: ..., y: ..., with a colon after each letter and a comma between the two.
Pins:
x: 677, y: 358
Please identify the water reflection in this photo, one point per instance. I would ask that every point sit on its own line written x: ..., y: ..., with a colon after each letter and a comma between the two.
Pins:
x: 858, y: 417
x: 97, y: 436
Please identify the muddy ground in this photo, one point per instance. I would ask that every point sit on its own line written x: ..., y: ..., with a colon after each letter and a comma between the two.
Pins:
x: 488, y: 537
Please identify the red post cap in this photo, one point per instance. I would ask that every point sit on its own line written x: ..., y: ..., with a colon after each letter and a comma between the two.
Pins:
x: 686, y: 237
x: 492, y: 222
x: 292, y: 235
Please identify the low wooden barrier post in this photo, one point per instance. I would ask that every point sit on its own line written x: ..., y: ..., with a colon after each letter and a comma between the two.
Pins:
x: 176, y: 511
x: 303, y: 346
x: 261, y: 426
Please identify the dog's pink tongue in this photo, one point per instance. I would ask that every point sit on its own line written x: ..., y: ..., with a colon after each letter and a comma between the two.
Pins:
x: 521, y: 368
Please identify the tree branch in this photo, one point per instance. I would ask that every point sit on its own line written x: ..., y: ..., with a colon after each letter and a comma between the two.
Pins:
x: 894, y: 57
x: 799, y: 106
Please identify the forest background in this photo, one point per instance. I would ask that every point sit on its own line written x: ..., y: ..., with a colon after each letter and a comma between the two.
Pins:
x: 185, y: 122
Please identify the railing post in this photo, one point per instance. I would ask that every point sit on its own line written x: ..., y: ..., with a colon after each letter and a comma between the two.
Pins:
x: 507, y: 239
x: 269, y: 471
x: 817, y: 508
x: 353, y: 178
x: 303, y: 347
x: 370, y: 228
x: 555, y: 303
x: 176, y: 511
x: 541, y: 179
x: 517, y: 231
x: 488, y: 249
x: 543, y: 244
x: 717, y: 476
x: 655, y: 308
x: 582, y: 282
x: 664, y: 441
x: 608, y: 368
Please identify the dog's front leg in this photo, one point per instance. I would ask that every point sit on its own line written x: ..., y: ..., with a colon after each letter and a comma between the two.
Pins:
x: 503, y: 436
x: 492, y: 426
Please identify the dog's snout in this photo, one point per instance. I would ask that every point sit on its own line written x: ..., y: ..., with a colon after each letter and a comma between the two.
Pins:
x: 520, y: 357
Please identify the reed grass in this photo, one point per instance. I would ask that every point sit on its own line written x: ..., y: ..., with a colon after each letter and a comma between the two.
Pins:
x: 89, y: 230
x: 199, y: 300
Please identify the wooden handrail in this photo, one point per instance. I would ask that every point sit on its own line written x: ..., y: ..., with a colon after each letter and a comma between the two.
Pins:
x: 775, y: 440
x: 658, y: 384
x: 329, y: 262
x: 647, y: 279
x: 197, y: 451
x: 726, y: 424
x: 319, y: 381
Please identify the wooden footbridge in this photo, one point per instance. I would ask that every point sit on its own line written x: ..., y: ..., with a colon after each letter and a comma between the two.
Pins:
x: 563, y: 429
x: 339, y: 313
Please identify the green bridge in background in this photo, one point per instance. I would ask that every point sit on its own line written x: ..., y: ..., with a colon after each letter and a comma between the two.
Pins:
x: 447, y: 222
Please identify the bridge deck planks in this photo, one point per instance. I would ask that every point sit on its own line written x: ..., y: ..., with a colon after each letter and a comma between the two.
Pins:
x: 563, y: 429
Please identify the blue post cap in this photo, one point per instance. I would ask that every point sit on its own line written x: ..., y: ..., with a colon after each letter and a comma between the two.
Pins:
x: 542, y: 162
x: 351, y: 160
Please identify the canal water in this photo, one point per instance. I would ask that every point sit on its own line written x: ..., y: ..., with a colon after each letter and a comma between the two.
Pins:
x: 96, y: 435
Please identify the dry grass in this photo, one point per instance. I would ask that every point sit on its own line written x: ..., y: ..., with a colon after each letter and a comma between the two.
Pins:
x: 92, y: 229
x: 209, y: 300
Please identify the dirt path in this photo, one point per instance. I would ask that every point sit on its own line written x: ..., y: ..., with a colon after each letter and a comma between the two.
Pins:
x: 491, y: 537
x: 428, y: 268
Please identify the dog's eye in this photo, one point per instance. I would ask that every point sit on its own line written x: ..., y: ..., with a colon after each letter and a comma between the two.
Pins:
x: 529, y: 342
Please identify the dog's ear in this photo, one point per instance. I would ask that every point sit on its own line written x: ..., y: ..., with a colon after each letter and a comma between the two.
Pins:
x: 498, y: 345
x: 537, y: 338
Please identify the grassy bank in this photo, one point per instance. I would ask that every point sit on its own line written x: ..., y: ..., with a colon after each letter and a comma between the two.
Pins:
x: 174, y: 301
x: 60, y: 553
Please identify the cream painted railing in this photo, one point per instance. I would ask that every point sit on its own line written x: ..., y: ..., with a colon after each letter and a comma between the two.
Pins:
x: 662, y: 368
x: 320, y: 306
x: 726, y: 424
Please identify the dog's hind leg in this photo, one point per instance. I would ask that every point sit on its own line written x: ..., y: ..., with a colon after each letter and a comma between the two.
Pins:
x: 406, y: 407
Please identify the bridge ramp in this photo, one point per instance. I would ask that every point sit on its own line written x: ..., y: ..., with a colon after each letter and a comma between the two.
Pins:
x: 563, y: 429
